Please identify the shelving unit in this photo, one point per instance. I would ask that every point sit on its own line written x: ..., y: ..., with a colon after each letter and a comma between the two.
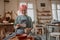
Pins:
x: 44, y: 16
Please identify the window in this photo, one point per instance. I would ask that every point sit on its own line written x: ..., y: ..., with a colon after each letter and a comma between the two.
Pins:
x: 56, y: 10
x: 30, y: 11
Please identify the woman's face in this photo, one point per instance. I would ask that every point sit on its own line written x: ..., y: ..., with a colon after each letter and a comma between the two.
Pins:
x: 24, y: 11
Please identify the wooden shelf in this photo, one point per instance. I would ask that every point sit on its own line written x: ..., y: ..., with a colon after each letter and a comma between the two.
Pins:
x: 45, y: 19
x: 44, y: 11
x: 44, y: 15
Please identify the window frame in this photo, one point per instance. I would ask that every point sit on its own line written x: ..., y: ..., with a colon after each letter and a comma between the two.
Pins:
x: 57, y: 16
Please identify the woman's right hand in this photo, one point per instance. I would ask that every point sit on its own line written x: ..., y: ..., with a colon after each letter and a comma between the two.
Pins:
x: 20, y: 25
x: 17, y: 26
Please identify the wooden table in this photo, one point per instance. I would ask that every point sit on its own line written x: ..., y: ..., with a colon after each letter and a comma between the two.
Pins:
x: 5, y: 29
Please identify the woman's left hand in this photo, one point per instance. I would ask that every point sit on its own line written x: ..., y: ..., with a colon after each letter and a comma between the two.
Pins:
x: 27, y: 30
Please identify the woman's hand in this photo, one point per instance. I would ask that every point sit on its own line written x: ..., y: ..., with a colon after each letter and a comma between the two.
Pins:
x: 23, y: 25
x: 17, y: 26
x: 27, y: 30
x: 20, y: 25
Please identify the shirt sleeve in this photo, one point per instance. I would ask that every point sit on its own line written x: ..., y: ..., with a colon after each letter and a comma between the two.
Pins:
x: 16, y: 22
x: 30, y: 23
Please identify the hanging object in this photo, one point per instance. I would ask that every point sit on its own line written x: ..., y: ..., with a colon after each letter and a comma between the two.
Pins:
x: 6, y: 1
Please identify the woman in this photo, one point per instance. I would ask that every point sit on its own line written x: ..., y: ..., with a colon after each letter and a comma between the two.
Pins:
x: 22, y: 23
